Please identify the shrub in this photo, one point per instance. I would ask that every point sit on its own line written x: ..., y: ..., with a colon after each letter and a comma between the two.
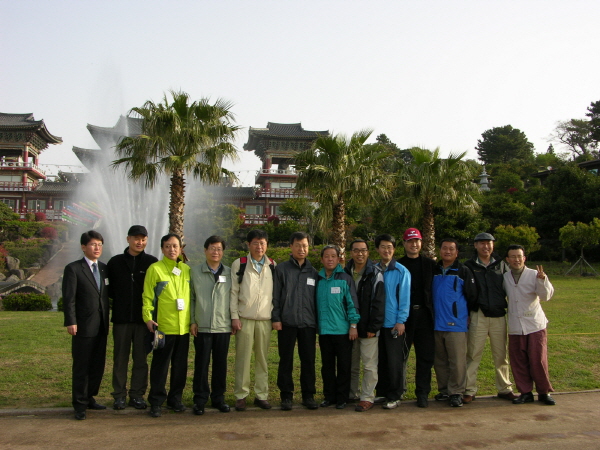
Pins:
x: 3, y: 255
x: 27, y: 302
x: 29, y: 217
x: 60, y: 305
x: 28, y: 251
x: 49, y: 233
x: 40, y: 216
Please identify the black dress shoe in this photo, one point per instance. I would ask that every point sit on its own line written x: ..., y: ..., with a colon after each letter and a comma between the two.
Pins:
x: 223, y: 407
x: 176, y: 406
x: 93, y: 404
x: 286, y: 404
x: 527, y: 397
x: 119, y: 403
x: 325, y: 404
x: 138, y: 403
x: 546, y: 399
x: 309, y: 403
x: 340, y: 405
x: 79, y: 415
x: 198, y: 409
x: 422, y: 401
x: 155, y: 411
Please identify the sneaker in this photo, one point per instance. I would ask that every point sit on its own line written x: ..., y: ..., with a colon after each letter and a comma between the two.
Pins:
x: 379, y: 400
x: 391, y: 404
x: 442, y: 397
x: 155, y: 411
x: 286, y: 404
x: 310, y: 403
x: 456, y: 400
x: 119, y: 403
x: 138, y: 403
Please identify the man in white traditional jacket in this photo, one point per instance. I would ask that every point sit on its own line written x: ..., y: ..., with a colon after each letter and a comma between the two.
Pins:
x: 527, y: 338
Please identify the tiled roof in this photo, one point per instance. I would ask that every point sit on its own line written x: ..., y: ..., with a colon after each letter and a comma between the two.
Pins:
x: 231, y: 192
x: 280, y: 130
x: 26, y: 121
x: 125, y: 126
x: 55, y: 187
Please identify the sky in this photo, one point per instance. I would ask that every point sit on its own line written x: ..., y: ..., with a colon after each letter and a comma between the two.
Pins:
x: 425, y: 73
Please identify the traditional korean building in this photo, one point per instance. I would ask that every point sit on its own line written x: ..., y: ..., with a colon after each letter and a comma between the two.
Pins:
x: 23, y: 183
x: 276, y: 145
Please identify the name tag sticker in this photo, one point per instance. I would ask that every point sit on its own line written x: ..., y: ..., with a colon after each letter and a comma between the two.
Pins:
x: 529, y: 314
x: 222, y: 279
x: 310, y: 281
x: 335, y: 290
x: 180, y: 304
x: 106, y: 282
x: 176, y: 271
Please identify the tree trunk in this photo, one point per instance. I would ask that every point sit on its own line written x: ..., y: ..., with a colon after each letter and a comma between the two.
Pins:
x: 428, y: 231
x: 177, y: 203
x: 338, y: 229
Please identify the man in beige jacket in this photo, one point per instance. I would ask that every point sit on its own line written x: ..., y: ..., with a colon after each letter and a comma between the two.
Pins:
x: 251, y: 303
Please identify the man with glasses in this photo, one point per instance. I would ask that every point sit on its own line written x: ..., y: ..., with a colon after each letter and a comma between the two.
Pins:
x: 370, y: 292
x: 295, y: 319
x: 85, y: 299
x: 392, y: 343
x: 210, y: 325
x: 251, y: 303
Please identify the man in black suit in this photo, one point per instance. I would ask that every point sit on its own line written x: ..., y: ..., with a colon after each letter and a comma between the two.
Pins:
x: 85, y: 299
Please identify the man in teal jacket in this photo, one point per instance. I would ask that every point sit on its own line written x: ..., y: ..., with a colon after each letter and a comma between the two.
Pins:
x: 211, y: 325
x: 337, y: 318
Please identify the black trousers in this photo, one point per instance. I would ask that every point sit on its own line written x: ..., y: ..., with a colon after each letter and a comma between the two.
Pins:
x: 175, y: 353
x: 286, y: 341
x: 419, y: 332
x: 390, y: 366
x: 129, y: 337
x: 89, y: 356
x: 336, y: 359
x: 206, y: 344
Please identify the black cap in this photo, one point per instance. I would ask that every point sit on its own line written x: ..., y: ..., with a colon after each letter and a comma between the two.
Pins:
x: 136, y: 230
x: 484, y: 237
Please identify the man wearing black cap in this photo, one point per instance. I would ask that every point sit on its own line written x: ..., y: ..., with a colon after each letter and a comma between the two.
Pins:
x: 126, y: 273
x: 487, y: 318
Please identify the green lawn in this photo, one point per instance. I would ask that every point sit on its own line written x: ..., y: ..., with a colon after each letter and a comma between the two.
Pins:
x: 35, y: 359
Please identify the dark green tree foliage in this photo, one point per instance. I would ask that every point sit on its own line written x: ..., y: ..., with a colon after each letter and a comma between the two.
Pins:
x: 576, y: 136
x: 398, y: 157
x: 594, y: 115
x: 503, y: 144
x: 569, y: 194
x: 504, y: 209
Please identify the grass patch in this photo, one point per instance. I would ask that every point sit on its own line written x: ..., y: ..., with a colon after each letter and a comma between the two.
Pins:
x: 35, y: 353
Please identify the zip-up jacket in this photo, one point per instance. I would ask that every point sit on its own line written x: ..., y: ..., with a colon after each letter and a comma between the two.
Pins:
x: 370, y: 293
x: 294, y: 291
x: 428, y: 268
x: 336, y: 302
x: 253, y: 297
x: 491, y: 298
x: 126, y: 275
x: 209, y: 299
x: 453, y: 294
x: 396, y: 279
x: 162, y: 285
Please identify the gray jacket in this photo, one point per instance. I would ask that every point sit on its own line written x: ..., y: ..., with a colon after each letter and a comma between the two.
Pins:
x: 210, y: 299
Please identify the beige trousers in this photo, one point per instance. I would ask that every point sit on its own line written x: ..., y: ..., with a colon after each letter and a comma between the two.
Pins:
x: 255, y: 334
x: 367, y: 350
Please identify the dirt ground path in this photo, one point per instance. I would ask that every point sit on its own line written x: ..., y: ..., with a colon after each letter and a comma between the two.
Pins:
x: 488, y: 423
x: 51, y: 272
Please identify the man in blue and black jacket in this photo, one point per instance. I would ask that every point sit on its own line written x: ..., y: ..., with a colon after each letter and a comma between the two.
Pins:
x: 454, y: 291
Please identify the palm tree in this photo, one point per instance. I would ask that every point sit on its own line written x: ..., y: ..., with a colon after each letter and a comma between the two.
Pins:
x: 430, y: 182
x: 180, y: 138
x: 337, y: 171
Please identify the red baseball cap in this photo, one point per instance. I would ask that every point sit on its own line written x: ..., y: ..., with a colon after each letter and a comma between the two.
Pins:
x: 412, y: 233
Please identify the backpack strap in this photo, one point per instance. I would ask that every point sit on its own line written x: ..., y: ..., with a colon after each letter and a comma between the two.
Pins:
x: 240, y: 273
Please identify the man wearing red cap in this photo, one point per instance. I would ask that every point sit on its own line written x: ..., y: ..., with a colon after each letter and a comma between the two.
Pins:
x: 419, y: 326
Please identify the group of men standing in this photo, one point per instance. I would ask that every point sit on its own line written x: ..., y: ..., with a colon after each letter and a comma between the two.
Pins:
x: 375, y: 313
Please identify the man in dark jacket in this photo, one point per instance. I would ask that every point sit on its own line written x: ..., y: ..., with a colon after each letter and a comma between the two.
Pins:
x: 488, y: 318
x: 294, y: 316
x: 126, y: 275
x: 454, y: 292
x: 419, y: 326
x: 370, y: 291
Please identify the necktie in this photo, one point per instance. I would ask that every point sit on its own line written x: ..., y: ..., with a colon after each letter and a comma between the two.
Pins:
x: 96, y: 274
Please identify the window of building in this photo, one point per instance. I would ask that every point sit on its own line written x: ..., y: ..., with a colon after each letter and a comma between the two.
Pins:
x: 10, y: 202
x: 36, y: 205
x: 254, y: 209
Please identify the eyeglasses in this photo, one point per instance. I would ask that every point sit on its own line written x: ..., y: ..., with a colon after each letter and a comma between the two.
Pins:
x: 95, y: 245
x: 215, y: 249
x: 362, y: 251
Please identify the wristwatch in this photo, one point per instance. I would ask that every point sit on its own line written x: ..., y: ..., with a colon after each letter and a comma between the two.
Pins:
x: 352, y: 326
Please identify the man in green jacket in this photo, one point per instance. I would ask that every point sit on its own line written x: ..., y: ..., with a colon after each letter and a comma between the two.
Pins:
x: 210, y: 325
